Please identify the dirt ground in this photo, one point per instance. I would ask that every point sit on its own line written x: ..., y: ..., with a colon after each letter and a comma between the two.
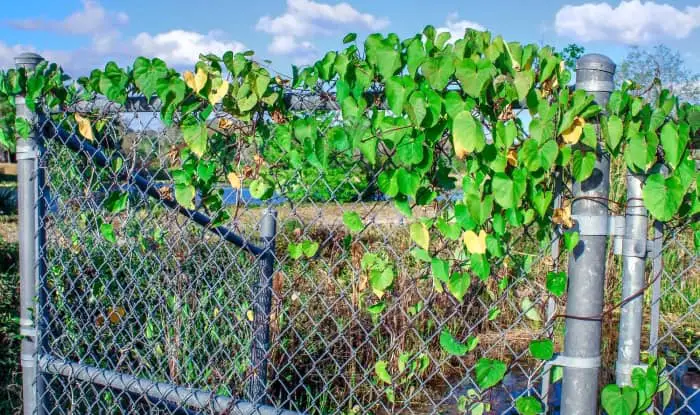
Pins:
x: 331, y: 214
x: 8, y: 228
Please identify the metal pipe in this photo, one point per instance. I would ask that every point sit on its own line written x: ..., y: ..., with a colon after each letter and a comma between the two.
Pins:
x: 634, y: 253
x: 594, y: 74
x: 262, y: 305
x: 294, y: 99
x: 27, y: 154
x: 195, y: 398
x: 147, y: 186
x: 656, y: 275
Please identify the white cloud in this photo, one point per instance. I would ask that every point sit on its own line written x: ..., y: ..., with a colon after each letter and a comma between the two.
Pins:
x: 91, y: 19
x: 457, y: 28
x: 631, y: 22
x: 9, y: 52
x: 303, y: 51
x: 177, y: 47
x: 304, y: 19
x: 180, y: 47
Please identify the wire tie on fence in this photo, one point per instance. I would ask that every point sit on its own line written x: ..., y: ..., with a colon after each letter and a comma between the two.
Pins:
x: 576, y: 362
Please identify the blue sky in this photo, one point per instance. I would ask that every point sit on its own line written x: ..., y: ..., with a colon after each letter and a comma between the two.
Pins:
x: 82, y: 34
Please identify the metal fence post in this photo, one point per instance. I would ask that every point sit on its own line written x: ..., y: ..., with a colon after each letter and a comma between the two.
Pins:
x: 656, y: 275
x: 594, y: 74
x: 262, y: 305
x: 634, y: 253
x: 27, y: 195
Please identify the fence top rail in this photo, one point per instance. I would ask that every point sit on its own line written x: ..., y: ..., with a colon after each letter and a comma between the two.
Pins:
x: 146, y: 185
x: 295, y: 99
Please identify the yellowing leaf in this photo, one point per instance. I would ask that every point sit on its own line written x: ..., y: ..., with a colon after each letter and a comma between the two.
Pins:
x: 281, y: 81
x: 115, y: 314
x: 550, y: 84
x: 189, y: 79
x: 420, y: 235
x: 562, y: 216
x: 250, y: 315
x: 460, y: 151
x: 572, y: 134
x: 84, y: 127
x: 195, y: 81
x: 234, y: 180
x: 514, y: 62
x: 512, y: 157
x: 225, y: 123
x: 476, y: 244
x: 530, y: 309
x: 215, y: 96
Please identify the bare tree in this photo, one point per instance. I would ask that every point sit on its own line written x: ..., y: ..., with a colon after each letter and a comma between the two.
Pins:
x: 657, y: 68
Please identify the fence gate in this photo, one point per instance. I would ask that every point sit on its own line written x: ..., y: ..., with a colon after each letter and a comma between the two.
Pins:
x: 133, y: 303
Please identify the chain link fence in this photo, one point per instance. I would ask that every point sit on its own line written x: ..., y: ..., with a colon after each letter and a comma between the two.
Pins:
x: 161, y: 313
x: 147, y: 307
x: 674, y: 314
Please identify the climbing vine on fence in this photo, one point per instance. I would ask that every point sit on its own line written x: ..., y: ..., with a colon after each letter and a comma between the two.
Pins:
x: 423, y: 117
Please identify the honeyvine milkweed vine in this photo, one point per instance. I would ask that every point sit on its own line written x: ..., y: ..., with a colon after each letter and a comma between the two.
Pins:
x: 418, y: 118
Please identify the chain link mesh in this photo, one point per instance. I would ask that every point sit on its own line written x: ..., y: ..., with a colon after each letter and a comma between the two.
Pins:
x: 146, y: 311
x: 674, y: 301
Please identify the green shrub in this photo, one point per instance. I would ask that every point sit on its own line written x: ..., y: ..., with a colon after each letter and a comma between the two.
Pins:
x: 10, y: 389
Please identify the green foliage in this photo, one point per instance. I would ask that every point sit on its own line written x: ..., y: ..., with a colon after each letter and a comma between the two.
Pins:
x: 619, y: 400
x: 529, y: 405
x: 416, y: 114
x: 571, y: 53
x: 353, y: 221
x: 10, y: 375
x: 489, y: 372
x: 556, y: 283
x: 542, y: 349
x: 380, y: 369
x: 636, y: 399
x: 305, y: 248
x: 454, y: 347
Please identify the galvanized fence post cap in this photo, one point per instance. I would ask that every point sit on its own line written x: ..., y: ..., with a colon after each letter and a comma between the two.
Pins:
x: 595, y: 62
x: 594, y: 73
x: 28, y: 60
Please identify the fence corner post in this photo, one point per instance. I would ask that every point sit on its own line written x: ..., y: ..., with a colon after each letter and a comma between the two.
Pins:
x: 262, y: 306
x: 27, y: 151
x: 582, y: 342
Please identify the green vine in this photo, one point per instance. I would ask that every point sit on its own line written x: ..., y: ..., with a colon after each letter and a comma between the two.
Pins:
x: 417, y: 118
